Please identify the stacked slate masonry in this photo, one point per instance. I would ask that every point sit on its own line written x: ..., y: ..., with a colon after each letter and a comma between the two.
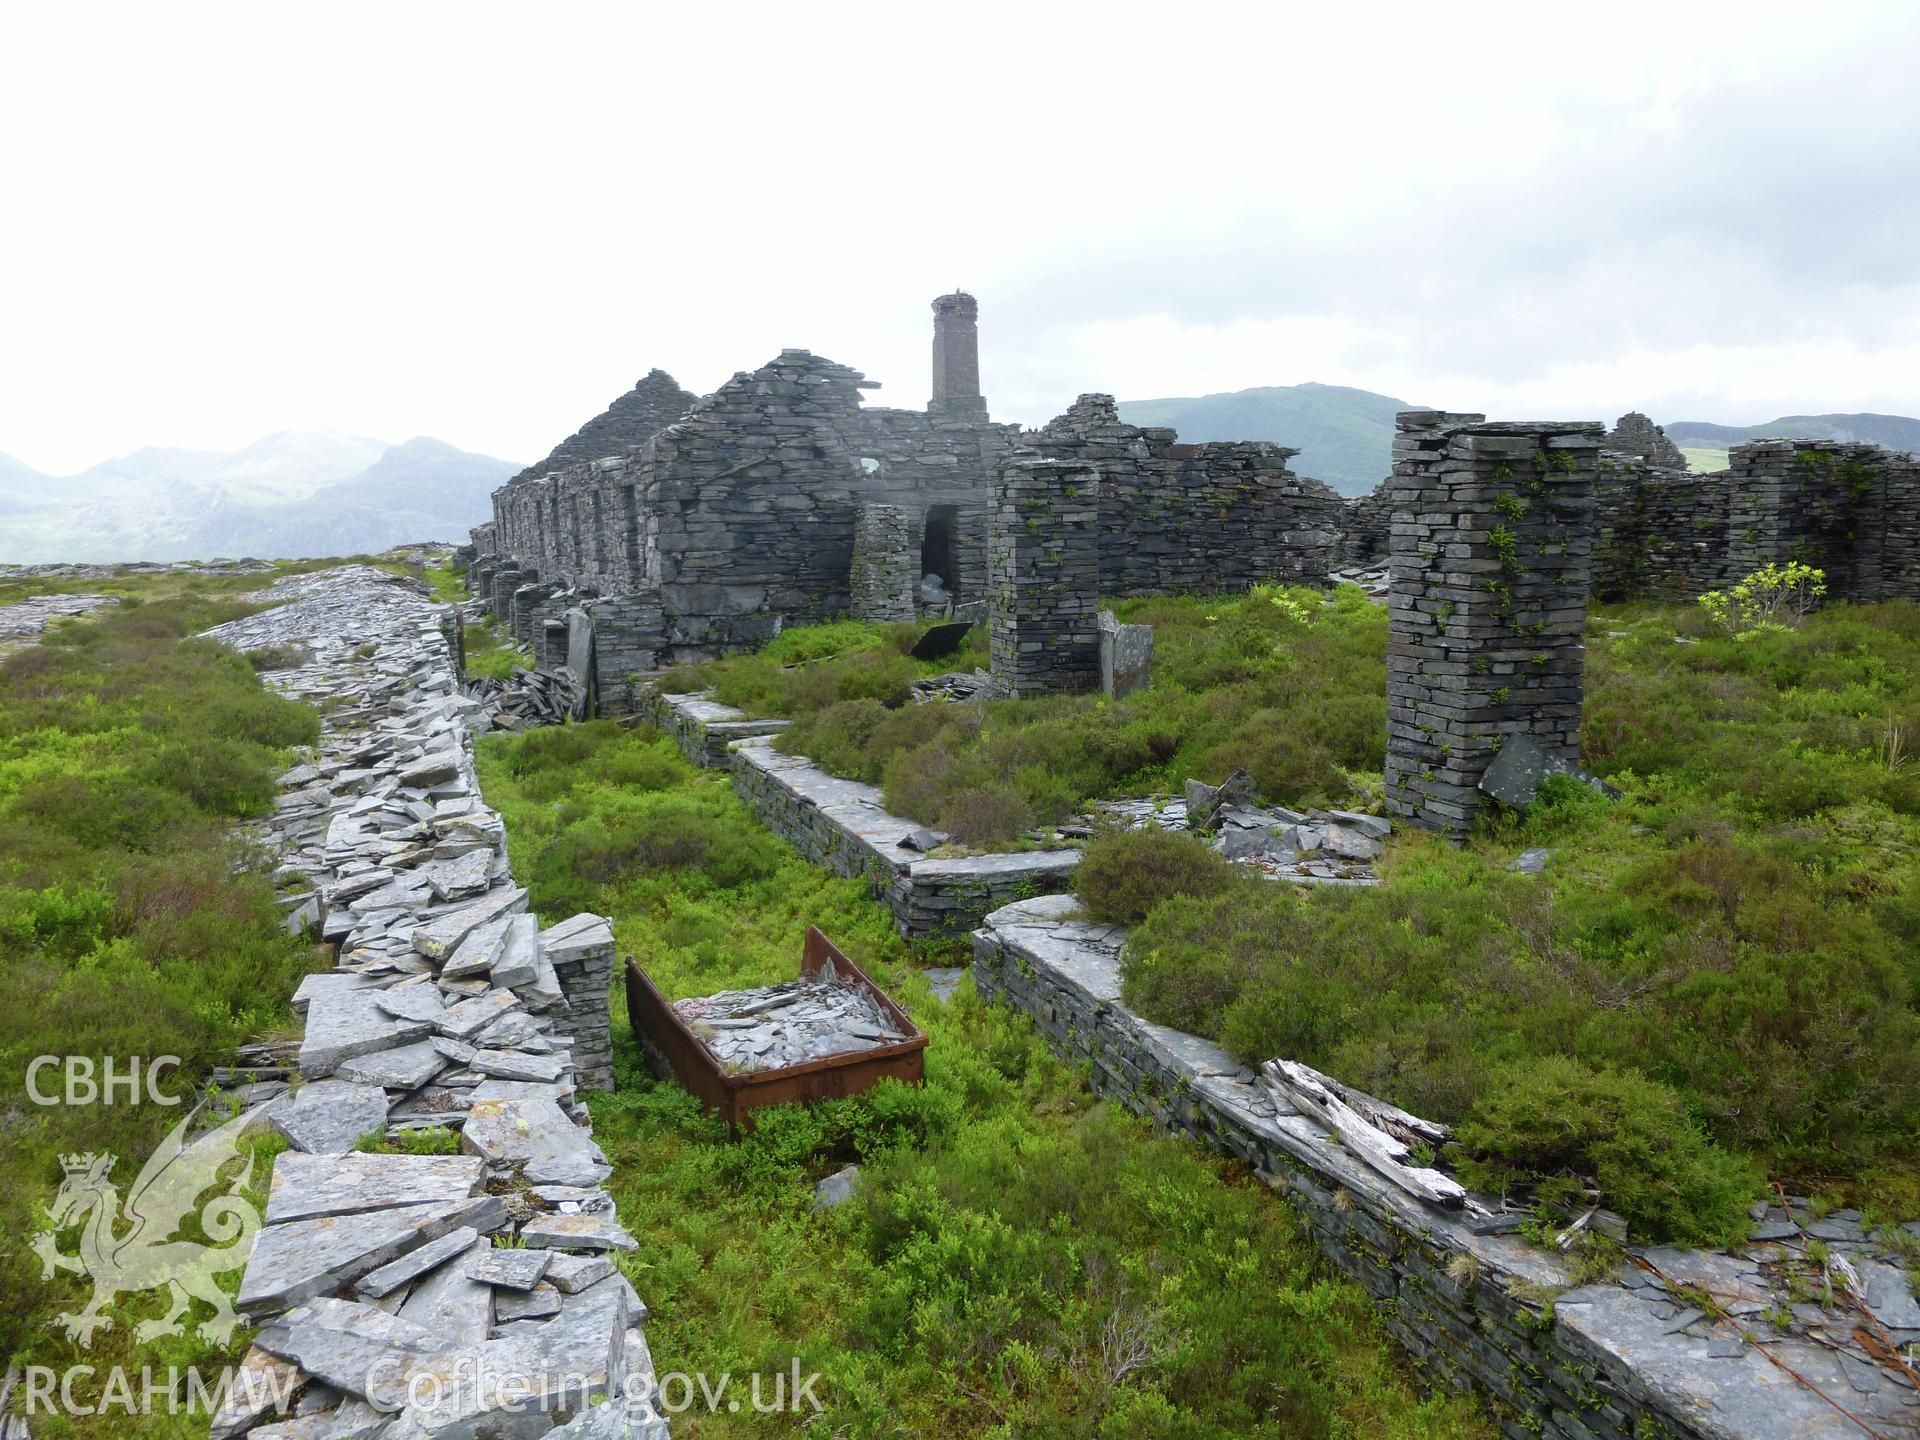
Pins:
x: 780, y: 499
x: 1044, y: 597
x: 1195, y: 519
x: 1492, y: 532
x: 1852, y: 510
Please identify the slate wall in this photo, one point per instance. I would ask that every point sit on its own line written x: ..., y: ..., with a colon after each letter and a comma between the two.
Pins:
x: 1492, y: 531
x: 1194, y: 519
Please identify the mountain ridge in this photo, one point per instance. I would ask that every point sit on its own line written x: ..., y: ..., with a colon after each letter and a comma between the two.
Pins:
x: 1344, y: 434
x: 288, y: 495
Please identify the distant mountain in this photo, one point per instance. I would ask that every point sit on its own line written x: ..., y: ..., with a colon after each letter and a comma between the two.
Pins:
x: 1344, y: 436
x: 292, y: 494
x: 1896, y: 432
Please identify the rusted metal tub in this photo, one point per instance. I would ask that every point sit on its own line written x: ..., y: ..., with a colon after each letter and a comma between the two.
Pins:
x: 673, y: 1050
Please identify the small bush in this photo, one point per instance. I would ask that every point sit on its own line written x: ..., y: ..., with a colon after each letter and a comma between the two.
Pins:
x: 1553, y: 1119
x: 992, y: 814
x: 277, y: 657
x: 1126, y: 873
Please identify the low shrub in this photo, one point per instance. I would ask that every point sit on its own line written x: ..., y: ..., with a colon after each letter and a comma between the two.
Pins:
x: 1124, y: 874
x: 1554, y: 1122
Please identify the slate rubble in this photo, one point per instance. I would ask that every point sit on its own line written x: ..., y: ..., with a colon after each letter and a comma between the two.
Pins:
x: 447, y: 1006
x: 21, y: 623
x: 791, y: 1023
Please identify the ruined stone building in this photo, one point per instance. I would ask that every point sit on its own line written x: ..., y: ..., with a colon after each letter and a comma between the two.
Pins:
x: 688, y: 527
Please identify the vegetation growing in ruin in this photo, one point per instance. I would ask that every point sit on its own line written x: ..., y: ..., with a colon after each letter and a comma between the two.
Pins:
x: 127, y: 753
x: 1126, y: 874
x: 1742, y: 930
x: 1019, y: 1258
x: 1282, y: 683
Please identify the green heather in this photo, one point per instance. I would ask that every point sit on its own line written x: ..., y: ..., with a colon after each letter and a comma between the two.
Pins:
x: 127, y: 755
x: 1730, y: 953
x: 1020, y: 1260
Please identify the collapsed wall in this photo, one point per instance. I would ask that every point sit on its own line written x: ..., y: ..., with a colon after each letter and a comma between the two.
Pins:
x: 740, y: 517
x: 1852, y: 510
x: 386, y: 1284
x: 1194, y: 519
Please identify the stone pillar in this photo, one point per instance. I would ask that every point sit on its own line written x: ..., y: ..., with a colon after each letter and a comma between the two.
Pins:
x: 956, y: 356
x: 1043, y: 539
x: 1491, y: 534
x: 886, y: 563
x: 625, y: 636
x: 552, y: 653
x: 506, y: 580
x: 523, y: 618
x: 581, y: 953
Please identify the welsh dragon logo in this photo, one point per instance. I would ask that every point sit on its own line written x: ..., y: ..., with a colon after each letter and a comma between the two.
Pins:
x: 146, y: 1255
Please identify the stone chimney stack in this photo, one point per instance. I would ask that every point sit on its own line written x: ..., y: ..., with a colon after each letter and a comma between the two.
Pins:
x: 956, y: 356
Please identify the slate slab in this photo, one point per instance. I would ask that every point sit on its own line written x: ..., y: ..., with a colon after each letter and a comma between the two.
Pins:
x: 406, y: 1067
x: 451, y: 1303
x: 510, y: 1269
x: 390, y: 1277
x: 303, y: 1259
x: 306, y: 1187
x: 356, y: 1348
x: 585, y: 1231
x: 346, y: 1022
x: 330, y: 1117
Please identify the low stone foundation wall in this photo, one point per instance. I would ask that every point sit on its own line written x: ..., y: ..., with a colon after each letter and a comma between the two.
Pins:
x: 1619, y: 1360
x: 843, y: 824
x: 704, y: 730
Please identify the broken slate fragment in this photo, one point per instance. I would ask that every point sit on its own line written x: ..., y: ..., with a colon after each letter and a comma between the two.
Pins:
x: 518, y: 961
x: 306, y: 1258
x: 412, y: 1001
x: 510, y: 1269
x: 354, y: 1347
x: 462, y: 1021
x: 409, y: 1267
x: 537, y: 1135
x: 535, y: 1304
x: 576, y: 1232
x: 406, y: 1068
x: 306, y: 1187
x: 571, y: 1273
x: 441, y: 936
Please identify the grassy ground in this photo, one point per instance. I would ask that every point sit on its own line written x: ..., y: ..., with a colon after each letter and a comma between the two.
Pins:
x: 1738, y: 936
x: 1022, y: 1260
x: 1285, y: 683
x: 127, y: 754
x: 1704, y: 461
x: 1742, y: 930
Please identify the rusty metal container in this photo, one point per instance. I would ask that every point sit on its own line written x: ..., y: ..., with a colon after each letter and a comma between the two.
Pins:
x: 674, y: 1051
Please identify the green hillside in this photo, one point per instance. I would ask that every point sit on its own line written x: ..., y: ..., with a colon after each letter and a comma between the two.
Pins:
x: 1344, y: 436
x: 1896, y: 432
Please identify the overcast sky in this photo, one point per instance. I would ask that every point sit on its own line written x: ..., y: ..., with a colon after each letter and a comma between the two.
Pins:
x: 482, y: 222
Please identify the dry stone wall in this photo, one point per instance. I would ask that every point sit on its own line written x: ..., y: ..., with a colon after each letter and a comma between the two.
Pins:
x: 844, y: 824
x: 1492, y: 533
x: 1852, y: 510
x: 383, y: 1283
